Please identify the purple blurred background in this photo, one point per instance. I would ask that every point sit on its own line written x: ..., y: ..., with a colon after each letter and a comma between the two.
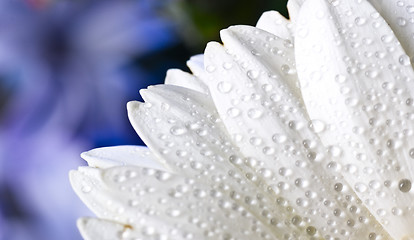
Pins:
x: 67, y: 70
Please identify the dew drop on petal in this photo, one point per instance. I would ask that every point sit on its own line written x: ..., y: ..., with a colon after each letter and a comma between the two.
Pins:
x: 296, y: 220
x: 227, y: 65
x: 224, y: 87
x: 372, y: 236
x: 338, y: 187
x: 210, y: 68
x: 318, y: 126
x: 397, y: 211
x: 253, y: 74
x: 411, y: 152
x: 311, y: 230
x: 404, y: 60
x: 404, y: 185
x: 254, y: 113
x: 401, y: 21
x: 176, y: 130
x: 233, y: 112
x: 285, y: 69
x: 359, y: 21
x: 340, y: 78
x: 280, y: 138
x: 360, y: 187
x: 410, y: 9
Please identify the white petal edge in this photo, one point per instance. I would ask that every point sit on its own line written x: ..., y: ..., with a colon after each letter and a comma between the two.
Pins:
x: 106, y: 157
x: 196, y: 65
x: 294, y: 8
x: 277, y: 24
x: 183, y: 79
x: 94, y: 228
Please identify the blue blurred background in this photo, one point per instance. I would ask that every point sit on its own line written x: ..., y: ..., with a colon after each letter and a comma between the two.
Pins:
x: 67, y: 70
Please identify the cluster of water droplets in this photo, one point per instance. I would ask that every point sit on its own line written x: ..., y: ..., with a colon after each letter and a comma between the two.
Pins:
x: 248, y: 153
x: 368, y: 107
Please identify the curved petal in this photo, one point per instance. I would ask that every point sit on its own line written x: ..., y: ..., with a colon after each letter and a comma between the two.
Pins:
x: 269, y: 125
x: 94, y: 228
x: 179, y: 78
x: 106, y: 157
x: 277, y: 24
x: 193, y: 141
x: 164, y: 205
x: 357, y: 79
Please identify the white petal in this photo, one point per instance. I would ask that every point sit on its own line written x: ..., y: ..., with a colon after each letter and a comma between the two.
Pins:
x: 275, y: 56
x: 192, y: 140
x: 271, y: 129
x: 355, y: 78
x: 169, y: 121
x: 294, y: 8
x: 196, y: 64
x: 399, y: 14
x: 121, y: 155
x: 277, y: 24
x: 93, y: 228
x: 165, y: 205
x: 183, y: 79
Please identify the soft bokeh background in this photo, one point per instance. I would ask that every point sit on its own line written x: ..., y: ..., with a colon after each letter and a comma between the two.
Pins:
x: 67, y: 69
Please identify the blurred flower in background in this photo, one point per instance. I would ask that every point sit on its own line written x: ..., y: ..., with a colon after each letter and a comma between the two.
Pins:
x: 64, y: 83
x: 67, y: 70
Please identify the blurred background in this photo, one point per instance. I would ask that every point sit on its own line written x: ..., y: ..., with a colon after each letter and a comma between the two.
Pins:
x: 67, y: 70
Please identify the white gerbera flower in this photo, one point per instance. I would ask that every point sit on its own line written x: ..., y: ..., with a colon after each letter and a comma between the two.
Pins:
x: 239, y: 151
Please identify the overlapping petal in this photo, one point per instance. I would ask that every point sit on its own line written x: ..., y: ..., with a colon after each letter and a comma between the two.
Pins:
x: 276, y: 24
x: 322, y: 154
x: 358, y: 80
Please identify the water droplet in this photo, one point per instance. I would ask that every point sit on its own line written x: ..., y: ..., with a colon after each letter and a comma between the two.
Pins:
x: 210, y: 68
x: 227, y: 65
x: 359, y: 21
x: 173, y: 212
x: 371, y: 73
x: 177, y: 130
x: 285, y: 69
x: 296, y: 220
x: 410, y: 9
x: 397, y: 211
x: 86, y: 188
x: 335, y: 151
x: 338, y: 187
x: 253, y: 74
x: 224, y: 87
x: 411, y: 152
x: 318, y: 126
x: 404, y: 60
x: 233, y: 112
x: 255, y: 141
x: 254, y: 113
x: 311, y: 230
x: 404, y: 185
x: 340, y: 78
x: 360, y: 187
x: 387, y: 38
x: 401, y: 21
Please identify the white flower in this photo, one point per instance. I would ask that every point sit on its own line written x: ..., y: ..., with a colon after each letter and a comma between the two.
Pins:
x: 240, y: 151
